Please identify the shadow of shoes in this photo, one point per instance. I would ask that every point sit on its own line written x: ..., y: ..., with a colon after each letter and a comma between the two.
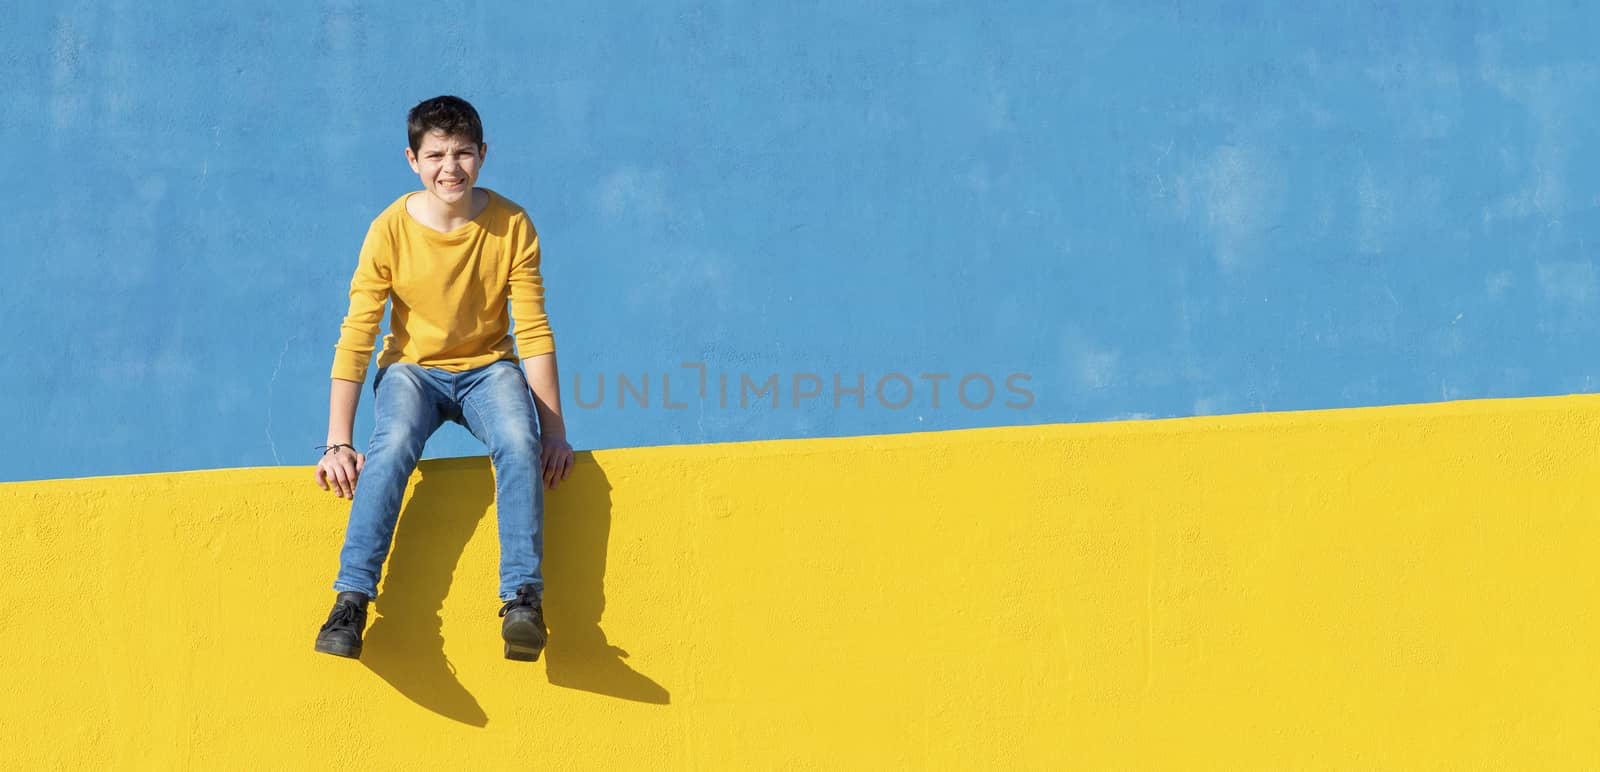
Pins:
x: 409, y: 654
x: 583, y: 659
x: 578, y: 655
x: 405, y: 646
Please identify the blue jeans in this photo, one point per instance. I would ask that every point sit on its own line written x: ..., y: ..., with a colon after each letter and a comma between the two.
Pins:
x: 411, y: 402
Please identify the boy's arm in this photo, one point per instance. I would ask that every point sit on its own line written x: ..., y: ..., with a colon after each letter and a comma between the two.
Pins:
x: 341, y: 466
x: 543, y: 379
x: 537, y: 348
x: 532, y: 324
x: 369, y: 293
x: 342, y: 400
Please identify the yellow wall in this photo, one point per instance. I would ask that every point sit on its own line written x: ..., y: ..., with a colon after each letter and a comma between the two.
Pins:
x: 1397, y: 588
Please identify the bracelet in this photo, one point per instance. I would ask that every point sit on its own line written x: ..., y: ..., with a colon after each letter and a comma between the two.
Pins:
x: 326, y: 449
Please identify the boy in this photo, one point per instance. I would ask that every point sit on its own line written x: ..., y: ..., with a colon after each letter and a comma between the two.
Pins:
x: 450, y: 257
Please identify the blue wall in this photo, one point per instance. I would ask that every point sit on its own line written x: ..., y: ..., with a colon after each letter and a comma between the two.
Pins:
x: 1165, y: 210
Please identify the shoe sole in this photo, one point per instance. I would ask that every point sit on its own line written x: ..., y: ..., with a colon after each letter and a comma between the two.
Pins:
x: 524, y: 641
x: 339, y: 650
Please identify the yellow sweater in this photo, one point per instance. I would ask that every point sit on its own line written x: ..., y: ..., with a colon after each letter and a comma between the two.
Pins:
x: 449, y: 291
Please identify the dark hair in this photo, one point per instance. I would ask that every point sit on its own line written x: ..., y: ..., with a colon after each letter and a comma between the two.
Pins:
x: 450, y: 114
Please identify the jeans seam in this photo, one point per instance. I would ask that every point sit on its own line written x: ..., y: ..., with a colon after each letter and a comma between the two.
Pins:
x: 477, y: 418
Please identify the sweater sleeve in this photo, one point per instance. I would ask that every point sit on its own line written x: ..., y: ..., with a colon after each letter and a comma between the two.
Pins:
x: 532, y: 325
x: 369, y: 291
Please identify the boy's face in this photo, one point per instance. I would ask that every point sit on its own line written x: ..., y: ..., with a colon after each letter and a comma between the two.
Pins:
x: 448, y: 165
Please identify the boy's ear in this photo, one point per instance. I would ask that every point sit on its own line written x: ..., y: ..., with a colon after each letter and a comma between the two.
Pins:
x: 411, y: 158
x: 483, y: 150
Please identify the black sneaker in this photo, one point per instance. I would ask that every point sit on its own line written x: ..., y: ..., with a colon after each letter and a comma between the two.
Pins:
x: 523, y: 629
x: 341, y: 634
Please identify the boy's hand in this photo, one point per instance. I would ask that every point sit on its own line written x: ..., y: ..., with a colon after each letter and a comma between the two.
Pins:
x: 340, y: 467
x: 556, y: 457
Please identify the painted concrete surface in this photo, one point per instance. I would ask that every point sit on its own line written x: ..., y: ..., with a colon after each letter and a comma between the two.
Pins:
x: 1389, y: 588
x: 1151, y: 209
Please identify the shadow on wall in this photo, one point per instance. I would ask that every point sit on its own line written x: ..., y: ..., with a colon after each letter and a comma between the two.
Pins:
x: 405, y: 645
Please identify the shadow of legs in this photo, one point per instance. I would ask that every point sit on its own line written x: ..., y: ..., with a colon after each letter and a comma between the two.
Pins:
x: 404, y: 645
x: 577, y: 528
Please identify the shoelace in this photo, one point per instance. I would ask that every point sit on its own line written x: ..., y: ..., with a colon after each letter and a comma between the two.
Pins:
x: 344, y: 615
x: 525, y: 597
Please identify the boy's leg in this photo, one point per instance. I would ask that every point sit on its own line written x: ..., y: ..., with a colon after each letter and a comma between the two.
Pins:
x: 408, y: 407
x: 498, y: 410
